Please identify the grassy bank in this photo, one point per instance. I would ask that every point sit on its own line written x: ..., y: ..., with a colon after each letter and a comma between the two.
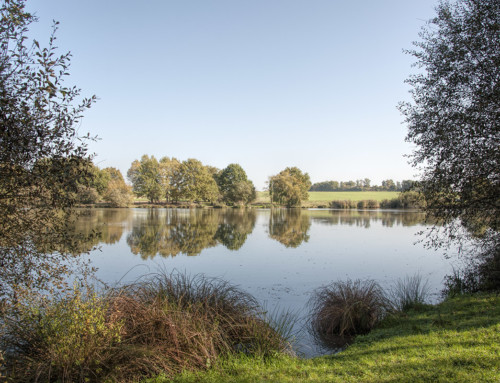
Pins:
x: 455, y: 341
x: 323, y: 199
x: 263, y: 196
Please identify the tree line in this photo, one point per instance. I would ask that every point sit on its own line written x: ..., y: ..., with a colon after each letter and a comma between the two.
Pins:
x: 172, y: 180
x: 363, y: 185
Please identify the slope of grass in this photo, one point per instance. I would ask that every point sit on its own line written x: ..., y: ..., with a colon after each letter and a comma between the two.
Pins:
x: 455, y: 341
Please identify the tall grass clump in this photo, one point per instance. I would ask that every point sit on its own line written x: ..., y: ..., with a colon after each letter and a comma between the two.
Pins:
x: 175, y: 322
x: 161, y: 325
x: 343, y: 204
x: 344, y: 309
x: 410, y: 292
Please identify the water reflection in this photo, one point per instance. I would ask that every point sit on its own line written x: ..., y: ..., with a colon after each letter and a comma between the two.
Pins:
x: 172, y: 232
x: 289, y: 226
x: 90, y: 228
x: 169, y: 232
x: 234, y: 227
x: 364, y: 218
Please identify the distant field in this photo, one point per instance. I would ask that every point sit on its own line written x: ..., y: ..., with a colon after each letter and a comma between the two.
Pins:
x: 342, y: 196
x: 352, y: 196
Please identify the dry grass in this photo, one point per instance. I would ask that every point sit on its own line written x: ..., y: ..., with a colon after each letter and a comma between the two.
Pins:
x: 344, y: 309
x: 164, y: 324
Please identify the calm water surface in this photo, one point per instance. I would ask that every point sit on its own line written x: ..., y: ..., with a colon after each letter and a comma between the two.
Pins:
x: 280, y: 256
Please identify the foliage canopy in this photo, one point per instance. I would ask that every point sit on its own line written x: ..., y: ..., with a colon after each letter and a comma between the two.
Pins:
x: 289, y: 187
x: 454, y: 122
x: 39, y: 148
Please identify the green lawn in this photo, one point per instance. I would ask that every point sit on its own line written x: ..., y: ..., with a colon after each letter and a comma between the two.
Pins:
x: 456, y: 341
x: 263, y: 197
x: 352, y: 196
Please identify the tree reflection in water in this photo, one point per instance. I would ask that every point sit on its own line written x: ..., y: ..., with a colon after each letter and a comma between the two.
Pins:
x: 172, y: 232
x: 91, y: 227
x: 364, y: 218
x: 169, y: 232
x: 289, y: 226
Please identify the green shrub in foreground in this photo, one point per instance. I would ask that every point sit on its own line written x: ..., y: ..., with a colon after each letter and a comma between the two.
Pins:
x: 67, y: 338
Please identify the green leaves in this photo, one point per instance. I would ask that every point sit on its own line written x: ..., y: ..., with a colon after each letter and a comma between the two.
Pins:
x: 289, y: 187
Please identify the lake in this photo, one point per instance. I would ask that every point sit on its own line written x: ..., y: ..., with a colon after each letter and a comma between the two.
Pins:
x: 280, y: 256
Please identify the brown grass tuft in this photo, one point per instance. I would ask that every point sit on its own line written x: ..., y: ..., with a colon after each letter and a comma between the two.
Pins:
x: 344, y: 309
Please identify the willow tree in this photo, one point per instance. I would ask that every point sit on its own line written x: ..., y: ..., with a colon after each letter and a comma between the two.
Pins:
x: 39, y: 117
x: 289, y: 187
x: 453, y: 122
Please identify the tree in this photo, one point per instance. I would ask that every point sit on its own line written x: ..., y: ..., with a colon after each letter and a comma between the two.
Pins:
x: 169, y: 168
x: 39, y: 117
x: 289, y: 187
x: 234, y: 185
x: 147, y: 179
x: 192, y: 181
x: 454, y: 123
x: 117, y: 192
x: 388, y: 185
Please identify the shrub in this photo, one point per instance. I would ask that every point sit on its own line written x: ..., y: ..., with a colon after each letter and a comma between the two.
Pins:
x: 164, y: 324
x: 344, y: 309
x: 362, y: 204
x: 372, y: 204
x: 394, y: 203
x: 346, y: 204
x: 87, y: 195
x: 118, y: 194
x: 482, y: 273
x: 68, y: 338
x: 409, y: 293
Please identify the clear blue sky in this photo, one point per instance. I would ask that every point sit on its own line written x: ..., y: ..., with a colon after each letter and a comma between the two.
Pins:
x: 263, y: 83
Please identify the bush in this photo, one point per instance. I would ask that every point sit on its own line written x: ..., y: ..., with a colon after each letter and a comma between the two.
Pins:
x: 394, y: 203
x: 87, y: 195
x: 409, y: 293
x: 481, y: 273
x: 161, y: 325
x: 344, y: 309
x: 362, y: 205
x: 68, y: 338
x: 118, y: 194
x: 346, y: 204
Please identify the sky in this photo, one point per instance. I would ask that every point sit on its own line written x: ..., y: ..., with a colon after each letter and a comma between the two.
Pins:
x: 266, y: 84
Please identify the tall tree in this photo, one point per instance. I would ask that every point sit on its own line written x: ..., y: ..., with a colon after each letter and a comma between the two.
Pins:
x: 169, y: 168
x: 39, y: 117
x: 289, y: 187
x: 454, y: 123
x: 235, y: 187
x: 193, y: 181
x: 146, y: 178
x: 117, y: 193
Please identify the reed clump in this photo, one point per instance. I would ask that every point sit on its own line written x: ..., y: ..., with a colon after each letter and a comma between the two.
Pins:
x: 164, y: 324
x: 410, y: 292
x: 344, y: 309
x: 343, y: 204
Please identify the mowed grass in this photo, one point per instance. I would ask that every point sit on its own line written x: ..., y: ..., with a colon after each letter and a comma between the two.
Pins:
x: 455, y: 341
x: 352, y: 196
x: 263, y: 196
